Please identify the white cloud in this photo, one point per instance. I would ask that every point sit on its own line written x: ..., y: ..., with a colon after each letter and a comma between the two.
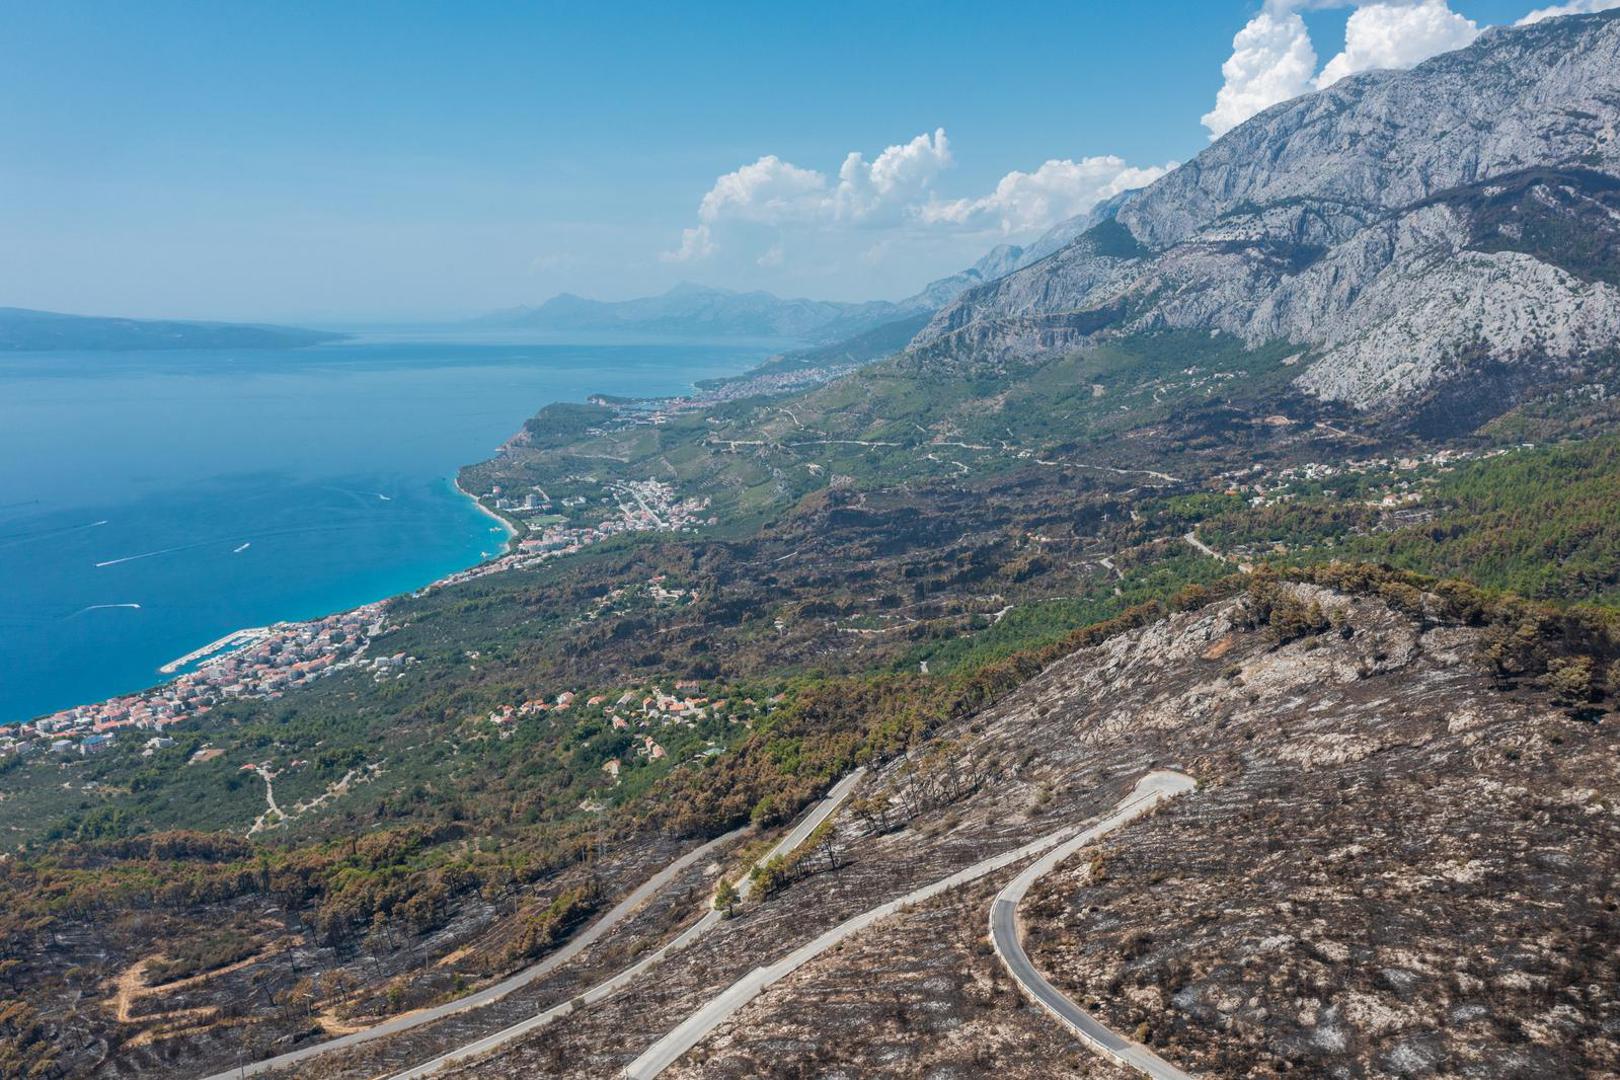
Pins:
x: 883, y: 210
x: 1397, y: 35
x: 1578, y: 7
x: 1025, y: 201
x: 696, y: 243
x: 900, y: 174
x: 1272, y: 60
x: 773, y: 192
x: 770, y: 191
x: 776, y: 192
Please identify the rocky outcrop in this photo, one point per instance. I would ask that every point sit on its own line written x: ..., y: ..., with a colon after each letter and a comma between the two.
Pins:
x: 1003, y: 259
x: 1407, y: 228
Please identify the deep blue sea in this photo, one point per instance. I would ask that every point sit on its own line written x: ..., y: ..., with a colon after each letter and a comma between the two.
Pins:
x: 225, y: 489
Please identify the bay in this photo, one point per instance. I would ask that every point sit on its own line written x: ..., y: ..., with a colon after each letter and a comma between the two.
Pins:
x: 151, y: 502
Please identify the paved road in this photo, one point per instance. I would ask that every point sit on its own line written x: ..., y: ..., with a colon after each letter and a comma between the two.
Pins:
x: 1192, y: 538
x: 830, y: 802
x: 496, y: 991
x: 1150, y: 790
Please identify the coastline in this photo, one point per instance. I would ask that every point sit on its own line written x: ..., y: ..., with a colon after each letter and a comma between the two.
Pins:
x: 673, y: 376
x: 512, y: 531
x: 156, y: 706
x: 237, y: 664
x: 234, y: 665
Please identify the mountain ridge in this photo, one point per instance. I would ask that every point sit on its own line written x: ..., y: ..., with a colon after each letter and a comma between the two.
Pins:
x: 1319, y: 222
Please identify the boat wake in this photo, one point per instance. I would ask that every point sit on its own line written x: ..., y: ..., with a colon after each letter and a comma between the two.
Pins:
x: 244, y: 547
x: 23, y: 538
x: 104, y: 607
x: 145, y: 555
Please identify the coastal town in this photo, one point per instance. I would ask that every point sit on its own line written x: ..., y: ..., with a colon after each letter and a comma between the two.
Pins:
x: 549, y: 531
x: 264, y: 662
x: 268, y: 661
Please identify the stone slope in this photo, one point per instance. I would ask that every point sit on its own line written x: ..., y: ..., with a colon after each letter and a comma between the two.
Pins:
x: 1393, y: 866
x: 1380, y: 223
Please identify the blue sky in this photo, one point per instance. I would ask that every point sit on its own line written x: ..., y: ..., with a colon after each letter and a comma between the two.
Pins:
x: 404, y: 161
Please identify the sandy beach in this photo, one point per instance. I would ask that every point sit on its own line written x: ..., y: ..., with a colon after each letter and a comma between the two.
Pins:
x: 511, y: 529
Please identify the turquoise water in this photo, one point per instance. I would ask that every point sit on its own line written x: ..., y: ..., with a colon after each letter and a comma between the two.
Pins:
x: 137, y: 479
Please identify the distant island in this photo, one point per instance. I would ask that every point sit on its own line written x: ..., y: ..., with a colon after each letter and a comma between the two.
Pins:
x: 699, y: 311
x: 24, y: 330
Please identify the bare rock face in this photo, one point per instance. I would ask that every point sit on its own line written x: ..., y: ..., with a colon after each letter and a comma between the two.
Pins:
x: 1408, y: 228
x: 1392, y: 866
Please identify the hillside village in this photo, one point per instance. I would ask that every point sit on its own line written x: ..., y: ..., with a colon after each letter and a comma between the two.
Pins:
x: 638, y: 723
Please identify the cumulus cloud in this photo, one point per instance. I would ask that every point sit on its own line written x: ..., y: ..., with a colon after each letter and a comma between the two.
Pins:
x: 696, y: 243
x: 1025, y: 201
x: 748, y: 210
x: 893, y: 193
x: 776, y: 192
x: 769, y: 192
x: 899, y: 175
x: 1397, y: 35
x: 1578, y: 7
x: 1273, y: 58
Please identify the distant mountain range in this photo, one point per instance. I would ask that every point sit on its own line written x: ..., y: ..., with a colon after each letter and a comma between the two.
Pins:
x: 698, y: 311
x: 1442, y: 238
x: 24, y: 330
x: 690, y: 310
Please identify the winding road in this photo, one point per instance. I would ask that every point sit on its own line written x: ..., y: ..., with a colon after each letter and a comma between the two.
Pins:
x: 1148, y: 792
x: 495, y: 991
x: 830, y: 802
x: 1004, y: 935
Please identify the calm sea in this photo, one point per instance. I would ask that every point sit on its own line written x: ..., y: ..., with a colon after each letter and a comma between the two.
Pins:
x: 223, y: 489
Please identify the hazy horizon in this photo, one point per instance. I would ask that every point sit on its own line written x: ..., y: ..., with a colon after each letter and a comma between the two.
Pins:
x: 409, y: 165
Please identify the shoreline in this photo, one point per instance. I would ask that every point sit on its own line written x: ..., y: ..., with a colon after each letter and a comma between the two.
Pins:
x: 175, y: 671
x: 78, y: 718
x: 512, y: 531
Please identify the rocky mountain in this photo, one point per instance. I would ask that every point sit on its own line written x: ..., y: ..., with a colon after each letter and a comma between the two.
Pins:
x: 1003, y: 259
x: 22, y: 329
x: 999, y: 261
x: 1445, y: 236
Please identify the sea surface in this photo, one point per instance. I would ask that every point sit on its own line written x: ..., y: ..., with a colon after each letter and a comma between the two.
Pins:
x: 151, y: 502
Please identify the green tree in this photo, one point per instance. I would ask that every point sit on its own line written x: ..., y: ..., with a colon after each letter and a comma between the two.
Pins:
x: 726, y: 897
